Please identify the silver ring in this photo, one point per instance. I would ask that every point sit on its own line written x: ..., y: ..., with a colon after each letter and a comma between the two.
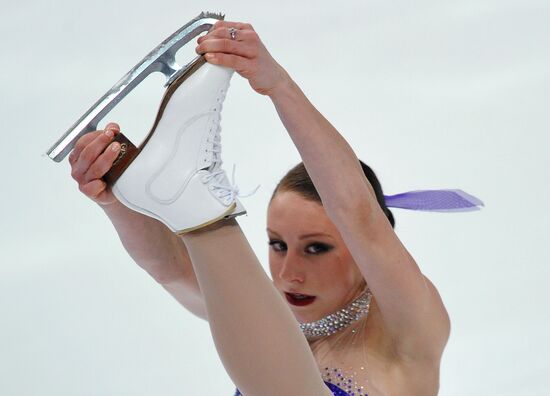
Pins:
x: 233, y: 33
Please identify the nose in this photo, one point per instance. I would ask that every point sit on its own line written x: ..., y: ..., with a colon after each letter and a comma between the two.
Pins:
x: 291, y: 269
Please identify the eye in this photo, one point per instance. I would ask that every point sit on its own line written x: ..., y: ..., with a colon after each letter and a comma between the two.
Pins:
x: 318, y: 248
x: 278, y: 246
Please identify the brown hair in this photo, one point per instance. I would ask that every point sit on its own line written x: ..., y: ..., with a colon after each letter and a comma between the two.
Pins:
x: 297, y: 180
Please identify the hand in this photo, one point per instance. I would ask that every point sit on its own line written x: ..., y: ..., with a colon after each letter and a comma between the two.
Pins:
x: 92, y: 156
x: 246, y: 55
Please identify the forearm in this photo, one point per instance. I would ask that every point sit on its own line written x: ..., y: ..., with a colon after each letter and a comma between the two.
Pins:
x: 160, y: 252
x: 151, y: 244
x: 328, y: 158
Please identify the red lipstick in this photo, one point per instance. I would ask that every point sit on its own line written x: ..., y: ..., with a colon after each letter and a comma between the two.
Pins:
x: 299, y: 300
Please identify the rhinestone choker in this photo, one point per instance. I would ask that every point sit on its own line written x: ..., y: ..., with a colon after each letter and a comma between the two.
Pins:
x: 339, y: 320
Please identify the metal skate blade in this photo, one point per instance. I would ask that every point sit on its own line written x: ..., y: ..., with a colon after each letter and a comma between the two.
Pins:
x: 161, y: 59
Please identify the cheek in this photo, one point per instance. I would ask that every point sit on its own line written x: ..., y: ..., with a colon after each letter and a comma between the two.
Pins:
x: 326, y: 269
x: 274, y: 265
x: 344, y: 269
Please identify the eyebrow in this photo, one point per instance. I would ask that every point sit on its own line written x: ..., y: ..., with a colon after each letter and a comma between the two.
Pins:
x: 305, y: 236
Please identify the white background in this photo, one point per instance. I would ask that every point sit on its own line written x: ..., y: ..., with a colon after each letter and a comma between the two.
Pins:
x: 430, y: 93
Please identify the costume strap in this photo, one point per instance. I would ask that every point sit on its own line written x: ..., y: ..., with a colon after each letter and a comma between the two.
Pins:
x: 434, y: 201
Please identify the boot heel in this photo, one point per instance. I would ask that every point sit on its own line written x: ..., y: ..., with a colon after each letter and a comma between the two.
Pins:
x: 128, y: 151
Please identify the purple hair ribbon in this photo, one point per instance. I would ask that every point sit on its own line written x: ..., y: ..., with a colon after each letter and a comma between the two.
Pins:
x: 434, y: 201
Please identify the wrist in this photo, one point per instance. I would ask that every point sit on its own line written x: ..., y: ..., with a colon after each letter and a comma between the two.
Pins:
x: 114, y: 209
x: 284, y: 86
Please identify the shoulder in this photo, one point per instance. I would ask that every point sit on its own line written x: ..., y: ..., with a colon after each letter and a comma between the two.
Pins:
x: 442, y: 321
x: 427, y: 348
x: 437, y: 325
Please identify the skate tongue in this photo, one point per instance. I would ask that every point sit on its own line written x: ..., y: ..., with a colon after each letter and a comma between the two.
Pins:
x: 214, y: 166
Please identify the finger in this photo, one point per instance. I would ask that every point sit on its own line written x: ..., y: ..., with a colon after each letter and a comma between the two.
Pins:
x: 240, y: 35
x: 90, y: 153
x: 93, y: 189
x: 81, y: 143
x: 113, y: 126
x: 228, y: 24
x: 237, y: 63
x: 227, y: 46
x: 103, y: 163
x: 221, y: 29
x: 223, y: 33
x: 87, y: 138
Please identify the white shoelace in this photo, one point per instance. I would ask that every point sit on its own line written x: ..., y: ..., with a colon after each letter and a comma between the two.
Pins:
x: 221, y: 187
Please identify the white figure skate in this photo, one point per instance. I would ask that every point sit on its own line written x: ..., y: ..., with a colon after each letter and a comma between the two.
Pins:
x: 175, y: 175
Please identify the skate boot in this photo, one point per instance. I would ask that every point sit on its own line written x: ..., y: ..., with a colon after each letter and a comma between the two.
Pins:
x: 176, y: 175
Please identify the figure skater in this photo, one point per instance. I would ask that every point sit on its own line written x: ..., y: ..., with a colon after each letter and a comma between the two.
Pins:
x: 347, y: 311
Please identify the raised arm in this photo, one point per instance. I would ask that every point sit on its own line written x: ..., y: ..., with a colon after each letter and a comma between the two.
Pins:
x: 149, y: 242
x: 411, y: 307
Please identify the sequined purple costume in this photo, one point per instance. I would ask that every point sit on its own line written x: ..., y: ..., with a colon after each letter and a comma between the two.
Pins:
x: 340, y: 382
x: 335, y: 390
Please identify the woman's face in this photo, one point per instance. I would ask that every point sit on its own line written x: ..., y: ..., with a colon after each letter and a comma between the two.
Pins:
x: 308, y: 256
